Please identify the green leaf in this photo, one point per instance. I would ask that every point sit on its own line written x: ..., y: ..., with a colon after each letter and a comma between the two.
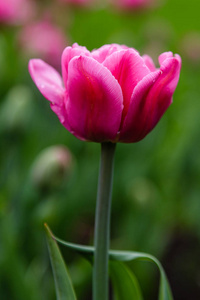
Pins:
x: 164, y: 288
x: 64, y: 288
x: 125, y: 283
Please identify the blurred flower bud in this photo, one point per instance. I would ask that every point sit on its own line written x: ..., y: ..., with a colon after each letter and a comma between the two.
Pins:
x: 190, y: 47
x: 44, y: 40
x: 51, y: 168
x: 15, y: 110
x: 15, y: 12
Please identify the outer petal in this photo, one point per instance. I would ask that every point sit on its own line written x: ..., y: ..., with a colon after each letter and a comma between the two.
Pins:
x: 95, y: 100
x: 150, y: 101
x: 128, y: 67
x: 103, y: 52
x: 47, y: 80
x: 49, y: 83
x: 68, y: 54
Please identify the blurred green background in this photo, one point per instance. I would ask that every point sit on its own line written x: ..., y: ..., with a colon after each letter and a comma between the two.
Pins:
x: 156, y: 197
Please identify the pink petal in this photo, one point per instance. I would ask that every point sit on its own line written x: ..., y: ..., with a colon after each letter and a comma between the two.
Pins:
x: 137, y: 113
x: 68, y: 54
x: 103, y: 52
x: 47, y: 80
x: 128, y: 67
x: 95, y: 100
x: 149, y: 62
x: 61, y: 113
x: 150, y: 99
x: 164, y: 56
x: 49, y: 83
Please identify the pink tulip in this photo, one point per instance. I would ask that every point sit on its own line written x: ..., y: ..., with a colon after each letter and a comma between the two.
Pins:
x: 43, y: 39
x: 109, y: 94
x: 15, y: 11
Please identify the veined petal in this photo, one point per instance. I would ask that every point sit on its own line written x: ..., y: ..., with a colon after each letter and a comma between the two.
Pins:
x: 47, y: 80
x: 150, y: 100
x: 95, y: 100
x: 128, y: 67
x: 164, y: 56
x: 67, y: 55
x: 137, y: 114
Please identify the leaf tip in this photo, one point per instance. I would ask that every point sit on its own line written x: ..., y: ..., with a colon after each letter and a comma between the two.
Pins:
x: 48, y: 231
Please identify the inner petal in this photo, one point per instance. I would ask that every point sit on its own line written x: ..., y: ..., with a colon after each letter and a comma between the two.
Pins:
x: 103, y: 52
x: 129, y: 68
x: 68, y: 54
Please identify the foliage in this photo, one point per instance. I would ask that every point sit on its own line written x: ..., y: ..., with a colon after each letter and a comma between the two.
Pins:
x: 155, y: 205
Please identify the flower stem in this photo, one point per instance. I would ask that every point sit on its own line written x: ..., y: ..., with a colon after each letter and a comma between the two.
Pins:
x: 102, y: 222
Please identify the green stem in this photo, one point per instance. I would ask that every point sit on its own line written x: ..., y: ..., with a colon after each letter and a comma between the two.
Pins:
x: 102, y: 223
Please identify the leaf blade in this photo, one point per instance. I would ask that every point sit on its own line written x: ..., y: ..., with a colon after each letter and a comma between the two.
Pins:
x: 164, y: 288
x: 64, y: 288
x: 125, y: 283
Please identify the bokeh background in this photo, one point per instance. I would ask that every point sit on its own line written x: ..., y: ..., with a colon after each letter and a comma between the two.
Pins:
x: 47, y: 175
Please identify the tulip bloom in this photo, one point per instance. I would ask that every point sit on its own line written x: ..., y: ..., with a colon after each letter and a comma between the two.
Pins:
x: 109, y: 94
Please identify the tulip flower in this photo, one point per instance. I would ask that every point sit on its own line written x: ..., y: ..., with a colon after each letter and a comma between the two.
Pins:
x: 44, y: 40
x: 15, y: 11
x: 111, y: 94
x: 108, y: 95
